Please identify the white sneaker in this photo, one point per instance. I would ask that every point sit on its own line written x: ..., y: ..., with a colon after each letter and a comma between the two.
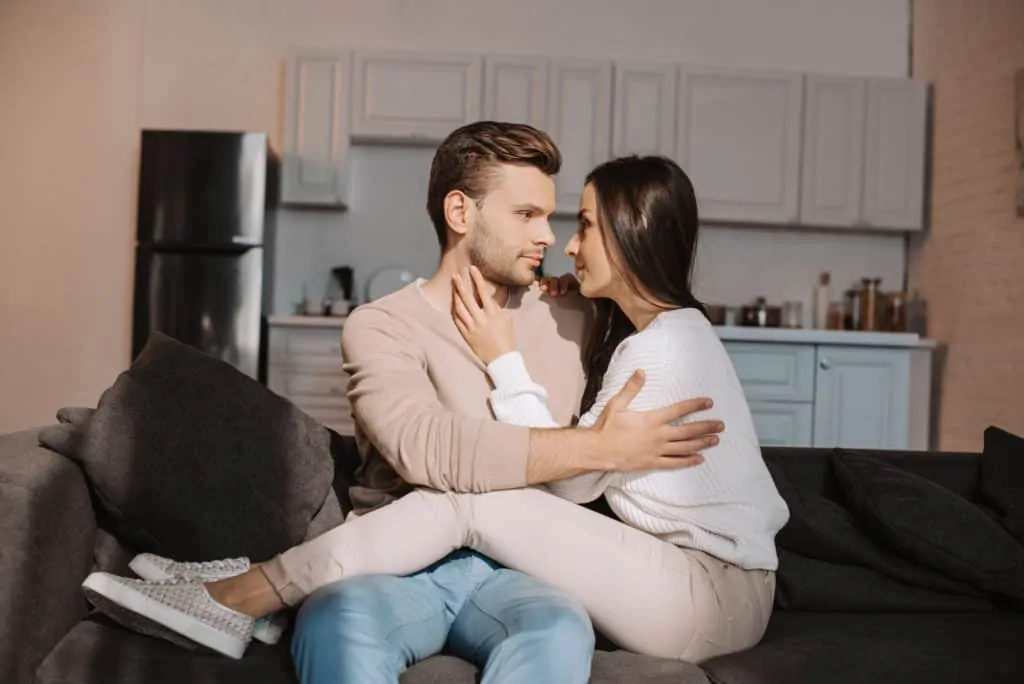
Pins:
x: 154, y: 568
x: 171, y: 609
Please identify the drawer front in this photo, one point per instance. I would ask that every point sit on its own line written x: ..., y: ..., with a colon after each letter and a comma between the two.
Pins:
x: 783, y: 424
x: 319, y: 385
x: 306, y: 347
x: 774, y: 371
x: 321, y: 395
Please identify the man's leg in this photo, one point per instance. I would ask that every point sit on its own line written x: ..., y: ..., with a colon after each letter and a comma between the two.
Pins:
x: 369, y: 629
x: 519, y: 630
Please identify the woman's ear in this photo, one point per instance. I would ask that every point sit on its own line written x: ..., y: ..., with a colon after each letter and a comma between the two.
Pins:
x: 458, y: 208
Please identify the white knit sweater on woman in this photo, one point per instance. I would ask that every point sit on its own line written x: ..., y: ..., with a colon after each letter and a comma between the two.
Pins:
x: 728, y: 506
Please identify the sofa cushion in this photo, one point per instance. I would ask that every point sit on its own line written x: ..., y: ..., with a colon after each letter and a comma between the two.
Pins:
x: 931, y: 524
x: 820, y: 529
x: 189, y: 458
x: 98, y: 651
x: 896, y: 648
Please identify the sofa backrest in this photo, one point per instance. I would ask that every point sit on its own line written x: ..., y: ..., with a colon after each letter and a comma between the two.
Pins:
x: 807, y: 468
x: 811, y: 469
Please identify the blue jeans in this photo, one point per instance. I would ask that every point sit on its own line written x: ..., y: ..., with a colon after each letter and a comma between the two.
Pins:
x: 516, y: 629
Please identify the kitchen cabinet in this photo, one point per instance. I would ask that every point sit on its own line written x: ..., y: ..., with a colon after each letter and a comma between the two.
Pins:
x: 894, y: 163
x: 780, y: 423
x: 864, y: 153
x: 835, y: 395
x: 863, y: 398
x: 416, y: 98
x: 314, y: 169
x: 833, y: 151
x: 304, y: 366
x: 579, y: 121
x: 738, y: 139
x: 644, y: 120
x: 515, y: 89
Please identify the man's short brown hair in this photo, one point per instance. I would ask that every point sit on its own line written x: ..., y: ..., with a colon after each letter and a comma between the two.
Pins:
x: 466, y: 158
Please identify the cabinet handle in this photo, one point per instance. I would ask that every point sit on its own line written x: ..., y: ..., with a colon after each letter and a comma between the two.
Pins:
x: 825, y: 364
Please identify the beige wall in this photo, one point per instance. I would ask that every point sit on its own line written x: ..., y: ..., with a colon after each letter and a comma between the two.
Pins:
x: 80, y: 77
x: 70, y: 77
x: 969, y: 265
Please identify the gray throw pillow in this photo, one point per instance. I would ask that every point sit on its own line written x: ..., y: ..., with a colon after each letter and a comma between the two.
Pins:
x: 931, y: 525
x: 189, y: 458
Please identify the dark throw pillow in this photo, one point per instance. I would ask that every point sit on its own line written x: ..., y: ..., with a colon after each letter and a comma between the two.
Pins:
x: 189, y: 458
x: 1002, y: 479
x: 931, y: 525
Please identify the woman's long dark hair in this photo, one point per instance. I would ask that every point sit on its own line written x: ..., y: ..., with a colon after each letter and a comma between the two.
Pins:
x: 647, y: 214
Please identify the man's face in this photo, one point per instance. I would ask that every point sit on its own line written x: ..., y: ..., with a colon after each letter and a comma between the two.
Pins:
x: 511, y: 230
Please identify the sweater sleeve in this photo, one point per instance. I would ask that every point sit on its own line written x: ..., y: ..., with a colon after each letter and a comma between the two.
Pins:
x: 516, y: 398
x: 398, y: 409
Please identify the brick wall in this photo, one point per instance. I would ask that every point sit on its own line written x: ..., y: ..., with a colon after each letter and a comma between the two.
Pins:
x: 970, y: 263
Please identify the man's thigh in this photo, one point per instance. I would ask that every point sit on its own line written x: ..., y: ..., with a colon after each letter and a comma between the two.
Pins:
x: 519, y: 629
x: 368, y: 629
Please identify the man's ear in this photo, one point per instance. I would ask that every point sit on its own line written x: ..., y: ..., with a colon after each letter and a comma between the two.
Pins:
x: 458, y: 211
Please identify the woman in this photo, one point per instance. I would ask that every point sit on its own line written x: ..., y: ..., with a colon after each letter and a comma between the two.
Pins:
x: 691, y: 573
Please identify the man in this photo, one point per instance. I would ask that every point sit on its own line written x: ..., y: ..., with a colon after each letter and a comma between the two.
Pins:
x: 419, y: 397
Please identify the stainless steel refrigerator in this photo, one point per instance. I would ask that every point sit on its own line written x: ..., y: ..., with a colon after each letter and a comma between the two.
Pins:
x: 205, y: 221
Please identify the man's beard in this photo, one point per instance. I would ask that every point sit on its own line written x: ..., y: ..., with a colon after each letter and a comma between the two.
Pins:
x: 497, y: 266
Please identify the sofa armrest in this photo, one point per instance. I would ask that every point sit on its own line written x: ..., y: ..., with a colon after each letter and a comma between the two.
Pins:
x: 47, y: 531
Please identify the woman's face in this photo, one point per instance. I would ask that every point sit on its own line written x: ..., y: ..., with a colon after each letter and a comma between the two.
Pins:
x: 587, y: 248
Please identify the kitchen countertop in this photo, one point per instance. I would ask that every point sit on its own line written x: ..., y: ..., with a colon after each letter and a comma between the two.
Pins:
x: 728, y: 333
x: 307, y: 321
x: 855, y: 338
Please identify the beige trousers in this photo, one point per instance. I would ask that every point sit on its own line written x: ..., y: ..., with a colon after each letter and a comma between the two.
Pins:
x: 645, y: 594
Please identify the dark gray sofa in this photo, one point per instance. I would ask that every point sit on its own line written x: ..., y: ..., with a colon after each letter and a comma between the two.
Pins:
x: 48, y: 538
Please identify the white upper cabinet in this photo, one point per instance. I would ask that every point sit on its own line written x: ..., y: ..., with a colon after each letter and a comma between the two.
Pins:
x: 894, y: 174
x: 739, y: 141
x: 414, y: 97
x: 316, y: 136
x: 579, y: 121
x: 516, y: 90
x: 645, y: 109
x: 833, y: 168
x: 864, y: 153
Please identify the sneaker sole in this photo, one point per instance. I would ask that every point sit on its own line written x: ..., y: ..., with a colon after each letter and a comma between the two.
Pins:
x: 264, y: 631
x: 152, y: 618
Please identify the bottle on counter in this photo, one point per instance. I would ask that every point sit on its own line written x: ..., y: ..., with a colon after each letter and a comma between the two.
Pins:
x: 870, y: 306
x: 836, y: 316
x: 821, y: 301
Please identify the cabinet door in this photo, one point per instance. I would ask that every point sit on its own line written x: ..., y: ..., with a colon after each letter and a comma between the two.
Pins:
x: 515, y: 89
x: 779, y: 423
x: 895, y: 154
x: 739, y: 140
x: 833, y: 152
x: 579, y: 121
x: 861, y: 398
x: 773, y: 372
x: 316, y: 139
x: 414, y: 97
x: 645, y: 109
